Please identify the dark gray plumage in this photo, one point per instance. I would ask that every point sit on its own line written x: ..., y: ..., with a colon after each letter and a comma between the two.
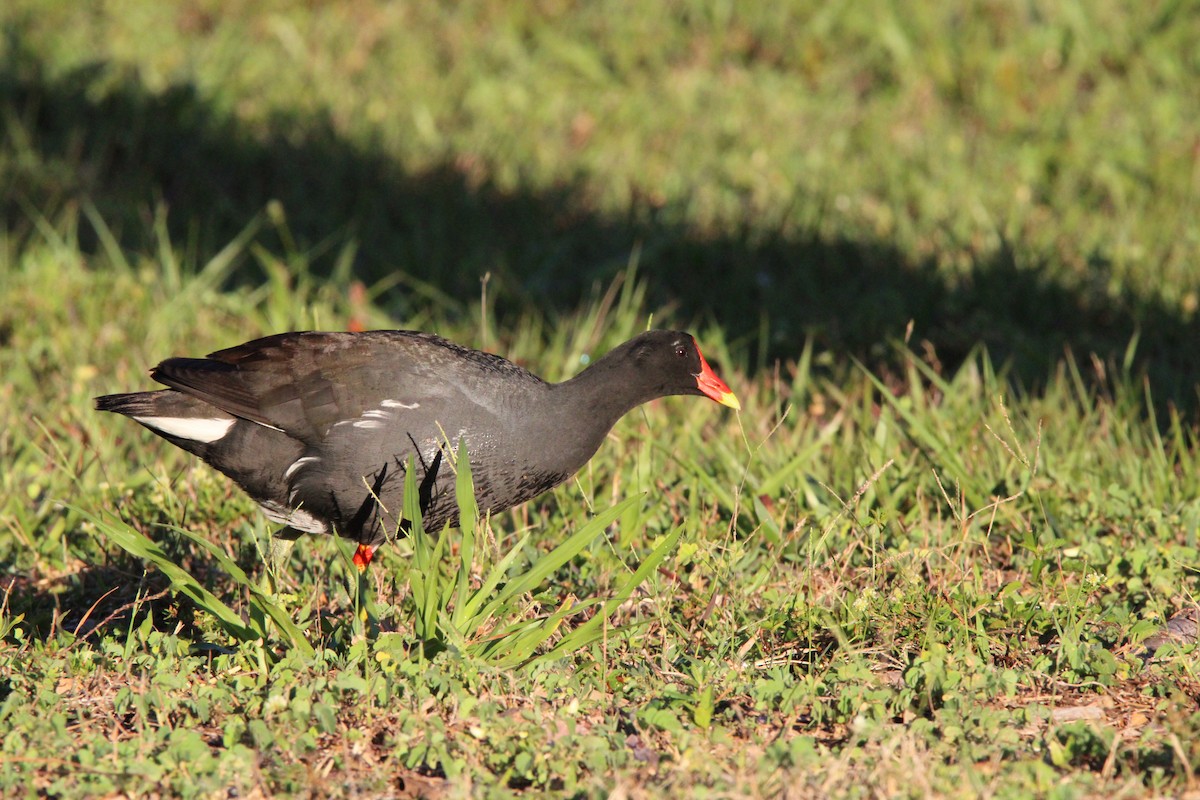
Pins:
x: 318, y: 427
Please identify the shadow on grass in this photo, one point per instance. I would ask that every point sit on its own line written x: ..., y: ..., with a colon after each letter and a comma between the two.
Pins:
x: 116, y: 593
x: 96, y: 600
x: 98, y: 133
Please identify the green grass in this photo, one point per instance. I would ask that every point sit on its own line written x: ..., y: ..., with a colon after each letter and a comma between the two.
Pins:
x: 947, y: 258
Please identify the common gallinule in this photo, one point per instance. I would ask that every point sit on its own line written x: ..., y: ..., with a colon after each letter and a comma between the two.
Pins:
x: 318, y: 427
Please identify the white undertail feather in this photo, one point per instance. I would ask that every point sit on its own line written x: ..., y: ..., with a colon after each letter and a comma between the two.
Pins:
x: 194, y: 429
x: 296, y: 518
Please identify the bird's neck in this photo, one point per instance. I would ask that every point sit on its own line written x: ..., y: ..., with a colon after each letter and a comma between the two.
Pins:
x: 578, y: 413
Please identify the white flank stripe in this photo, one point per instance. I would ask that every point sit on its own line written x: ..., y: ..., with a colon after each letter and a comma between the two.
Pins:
x: 298, y: 463
x: 398, y: 404
x: 368, y: 424
x: 193, y: 428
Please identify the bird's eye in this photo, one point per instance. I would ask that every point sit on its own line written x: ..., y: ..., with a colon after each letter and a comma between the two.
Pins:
x: 681, y: 351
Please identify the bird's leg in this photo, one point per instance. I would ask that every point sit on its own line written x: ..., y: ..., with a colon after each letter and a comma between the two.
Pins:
x: 364, y: 602
x: 281, y: 546
x: 363, y: 556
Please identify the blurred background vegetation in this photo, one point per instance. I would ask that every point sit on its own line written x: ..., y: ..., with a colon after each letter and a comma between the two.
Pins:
x: 1018, y: 175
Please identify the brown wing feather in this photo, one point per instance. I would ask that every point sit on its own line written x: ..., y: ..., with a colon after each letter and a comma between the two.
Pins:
x: 304, y: 382
x: 219, y: 384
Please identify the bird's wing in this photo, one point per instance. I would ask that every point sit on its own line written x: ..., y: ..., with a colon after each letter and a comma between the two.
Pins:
x: 306, y: 383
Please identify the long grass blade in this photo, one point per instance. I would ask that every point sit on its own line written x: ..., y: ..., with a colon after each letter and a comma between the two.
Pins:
x: 182, y: 581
